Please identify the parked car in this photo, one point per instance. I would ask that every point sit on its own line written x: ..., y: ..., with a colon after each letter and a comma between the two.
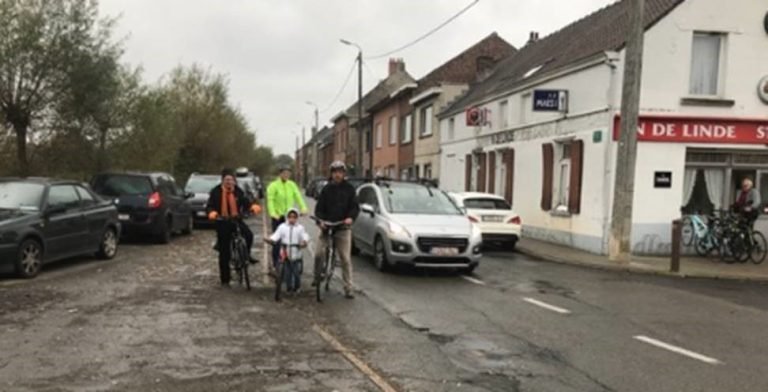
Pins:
x: 499, y: 224
x: 315, y: 187
x: 43, y: 220
x: 357, y: 181
x: 414, y: 224
x: 200, y: 186
x: 147, y: 203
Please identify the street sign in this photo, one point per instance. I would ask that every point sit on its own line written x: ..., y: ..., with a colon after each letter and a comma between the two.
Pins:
x: 662, y: 179
x: 550, y: 100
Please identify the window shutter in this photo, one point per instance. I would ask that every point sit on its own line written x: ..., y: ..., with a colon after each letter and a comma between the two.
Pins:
x: 509, y: 160
x: 492, y: 172
x: 468, y: 173
x: 481, y: 175
x: 546, y: 178
x: 577, y: 168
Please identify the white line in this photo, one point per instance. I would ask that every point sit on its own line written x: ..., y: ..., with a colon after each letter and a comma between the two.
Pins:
x: 372, y: 375
x: 473, y: 280
x: 547, y: 306
x: 679, y: 350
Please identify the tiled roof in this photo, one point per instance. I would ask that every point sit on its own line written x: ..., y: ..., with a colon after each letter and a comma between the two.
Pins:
x: 382, y: 91
x: 603, y: 30
x: 462, y: 68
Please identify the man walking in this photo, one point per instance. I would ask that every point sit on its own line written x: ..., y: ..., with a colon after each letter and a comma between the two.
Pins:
x: 282, y: 195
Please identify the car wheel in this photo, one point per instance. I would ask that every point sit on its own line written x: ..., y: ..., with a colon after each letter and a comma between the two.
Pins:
x: 108, y: 246
x: 190, y: 227
x: 380, y: 255
x: 166, y: 231
x: 29, y: 260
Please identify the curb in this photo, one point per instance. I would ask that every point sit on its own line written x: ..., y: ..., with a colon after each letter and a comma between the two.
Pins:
x: 635, y: 270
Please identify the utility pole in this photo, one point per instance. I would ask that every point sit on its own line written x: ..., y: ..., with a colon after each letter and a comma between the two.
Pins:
x: 317, y: 114
x: 619, y: 246
x: 360, y: 127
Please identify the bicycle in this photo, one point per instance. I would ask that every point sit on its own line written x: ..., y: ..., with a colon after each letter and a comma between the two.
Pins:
x: 286, y: 270
x: 239, y: 257
x: 327, y: 268
x: 752, y: 244
x: 705, y: 233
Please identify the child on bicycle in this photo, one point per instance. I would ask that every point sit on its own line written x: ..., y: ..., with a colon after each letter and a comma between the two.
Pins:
x: 293, y: 238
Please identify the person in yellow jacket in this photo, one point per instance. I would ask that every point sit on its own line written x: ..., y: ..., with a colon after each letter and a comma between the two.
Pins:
x: 282, y: 195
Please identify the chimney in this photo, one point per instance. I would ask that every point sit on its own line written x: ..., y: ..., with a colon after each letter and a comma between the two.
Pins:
x: 314, y: 131
x: 533, y: 37
x: 396, y: 65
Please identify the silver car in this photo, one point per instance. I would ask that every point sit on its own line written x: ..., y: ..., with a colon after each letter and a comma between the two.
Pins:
x: 415, y: 224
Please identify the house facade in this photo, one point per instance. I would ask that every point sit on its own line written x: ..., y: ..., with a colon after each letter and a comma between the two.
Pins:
x: 393, y: 135
x: 541, y: 129
x: 439, y: 88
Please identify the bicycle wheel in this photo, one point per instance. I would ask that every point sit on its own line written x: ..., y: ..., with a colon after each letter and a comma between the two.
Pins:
x: 330, y: 267
x: 322, y: 275
x: 279, y: 279
x: 703, y: 247
x: 688, y: 233
x: 759, y: 248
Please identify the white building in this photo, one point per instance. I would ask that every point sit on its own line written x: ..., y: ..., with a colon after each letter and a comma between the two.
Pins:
x: 704, y: 122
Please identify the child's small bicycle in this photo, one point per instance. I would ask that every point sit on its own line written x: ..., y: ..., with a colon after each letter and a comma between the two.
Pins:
x: 287, y: 271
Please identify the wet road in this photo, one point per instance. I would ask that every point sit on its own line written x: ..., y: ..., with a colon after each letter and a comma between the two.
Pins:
x: 154, y: 319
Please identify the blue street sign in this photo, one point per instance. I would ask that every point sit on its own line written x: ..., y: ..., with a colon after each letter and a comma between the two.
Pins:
x: 550, y: 100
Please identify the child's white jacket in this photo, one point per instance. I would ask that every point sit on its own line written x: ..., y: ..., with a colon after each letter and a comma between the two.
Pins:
x: 289, y: 234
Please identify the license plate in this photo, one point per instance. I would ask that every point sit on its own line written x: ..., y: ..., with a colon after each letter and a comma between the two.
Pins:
x: 444, y: 251
x: 123, y: 217
x: 492, y: 218
x: 201, y: 213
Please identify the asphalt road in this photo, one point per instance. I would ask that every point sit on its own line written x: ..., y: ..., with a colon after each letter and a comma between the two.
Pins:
x: 154, y: 319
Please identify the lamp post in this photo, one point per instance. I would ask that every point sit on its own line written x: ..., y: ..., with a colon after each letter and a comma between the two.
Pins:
x: 360, y: 130
x: 317, y: 114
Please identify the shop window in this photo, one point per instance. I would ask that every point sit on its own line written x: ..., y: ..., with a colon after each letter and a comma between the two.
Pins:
x: 706, y: 57
x: 696, y: 198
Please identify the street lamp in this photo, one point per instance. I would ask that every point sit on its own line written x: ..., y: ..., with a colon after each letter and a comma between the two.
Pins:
x: 317, y: 115
x: 360, y: 107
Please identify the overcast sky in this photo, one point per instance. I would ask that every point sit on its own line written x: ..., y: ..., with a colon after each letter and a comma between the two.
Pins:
x: 278, y: 54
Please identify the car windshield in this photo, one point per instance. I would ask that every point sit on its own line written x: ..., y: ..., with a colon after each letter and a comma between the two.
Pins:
x: 20, y: 195
x: 486, y: 204
x: 202, y: 184
x: 122, y: 185
x: 418, y: 199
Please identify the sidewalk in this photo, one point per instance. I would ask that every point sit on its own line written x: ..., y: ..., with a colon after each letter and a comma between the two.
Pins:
x: 693, y: 267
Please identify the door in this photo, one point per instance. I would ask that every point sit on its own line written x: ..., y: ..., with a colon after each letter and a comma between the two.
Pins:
x: 174, y: 201
x: 365, y: 224
x: 96, y: 217
x: 66, y: 229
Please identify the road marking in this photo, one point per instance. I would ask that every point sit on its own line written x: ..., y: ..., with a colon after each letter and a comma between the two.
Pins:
x: 547, y: 306
x: 679, y: 350
x: 473, y: 280
x: 376, y: 378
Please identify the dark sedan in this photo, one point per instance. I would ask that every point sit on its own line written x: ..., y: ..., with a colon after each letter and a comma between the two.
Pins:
x: 46, y: 220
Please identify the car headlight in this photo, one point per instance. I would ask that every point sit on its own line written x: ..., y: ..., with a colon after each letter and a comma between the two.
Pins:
x: 395, y: 229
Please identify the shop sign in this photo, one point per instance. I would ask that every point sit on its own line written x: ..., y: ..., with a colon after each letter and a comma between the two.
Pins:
x: 662, y: 179
x: 698, y: 130
x: 762, y: 89
x: 502, y: 137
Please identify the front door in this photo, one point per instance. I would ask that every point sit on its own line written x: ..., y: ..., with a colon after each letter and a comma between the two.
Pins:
x: 66, y: 229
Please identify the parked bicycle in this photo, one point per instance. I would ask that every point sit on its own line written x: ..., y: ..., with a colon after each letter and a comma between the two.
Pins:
x: 323, y: 282
x: 729, y: 234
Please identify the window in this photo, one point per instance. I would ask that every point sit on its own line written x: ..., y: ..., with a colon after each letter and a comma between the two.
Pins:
x: 451, y: 128
x: 408, y: 129
x: 525, y: 106
x: 166, y: 186
x: 426, y: 121
x: 86, y: 196
x: 486, y: 204
x: 428, y: 171
x: 393, y: 130
x: 63, y: 196
x: 563, y: 175
x: 378, y: 135
x: 503, y: 113
x: 706, y: 63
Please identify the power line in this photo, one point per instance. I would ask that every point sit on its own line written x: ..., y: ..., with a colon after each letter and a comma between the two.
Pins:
x: 370, y: 72
x: 343, y: 87
x: 430, y: 32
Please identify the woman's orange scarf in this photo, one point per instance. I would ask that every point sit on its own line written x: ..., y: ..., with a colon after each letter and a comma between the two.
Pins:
x: 228, y: 203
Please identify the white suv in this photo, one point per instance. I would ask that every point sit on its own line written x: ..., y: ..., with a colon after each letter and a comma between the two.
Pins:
x: 414, y: 224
